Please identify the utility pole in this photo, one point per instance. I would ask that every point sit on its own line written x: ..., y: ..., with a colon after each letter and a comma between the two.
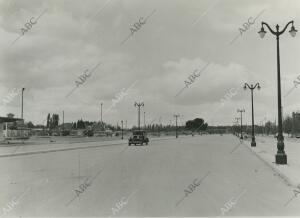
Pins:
x: 139, y: 105
x: 63, y: 121
x: 122, y: 128
x: 176, y: 116
x: 101, y: 112
x: 22, y: 103
x: 144, y: 120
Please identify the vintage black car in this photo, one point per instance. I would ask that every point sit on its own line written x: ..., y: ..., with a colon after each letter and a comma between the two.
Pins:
x: 138, y: 137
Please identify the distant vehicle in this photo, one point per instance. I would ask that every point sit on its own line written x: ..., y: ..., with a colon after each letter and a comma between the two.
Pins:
x: 138, y: 137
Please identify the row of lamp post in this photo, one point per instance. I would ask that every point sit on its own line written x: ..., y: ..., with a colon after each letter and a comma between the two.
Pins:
x: 141, y: 104
x: 136, y: 104
x: 280, y: 157
x: 122, y: 122
x: 241, y: 118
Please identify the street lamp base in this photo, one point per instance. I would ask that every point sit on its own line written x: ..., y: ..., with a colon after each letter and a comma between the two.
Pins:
x: 281, y: 158
x: 253, y: 144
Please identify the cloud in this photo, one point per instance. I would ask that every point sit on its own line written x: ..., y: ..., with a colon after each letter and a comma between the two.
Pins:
x: 73, y: 36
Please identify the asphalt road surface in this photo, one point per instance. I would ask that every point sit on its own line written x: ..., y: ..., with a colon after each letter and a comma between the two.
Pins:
x: 190, y: 176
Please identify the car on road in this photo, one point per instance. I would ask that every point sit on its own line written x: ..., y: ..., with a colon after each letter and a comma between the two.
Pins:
x: 138, y: 137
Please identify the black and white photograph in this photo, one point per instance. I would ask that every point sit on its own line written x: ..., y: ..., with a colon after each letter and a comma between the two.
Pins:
x: 149, y: 108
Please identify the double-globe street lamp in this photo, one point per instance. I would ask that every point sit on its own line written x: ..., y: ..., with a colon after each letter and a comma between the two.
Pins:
x: 280, y: 157
x: 139, y: 105
x: 251, y: 87
x: 241, y: 111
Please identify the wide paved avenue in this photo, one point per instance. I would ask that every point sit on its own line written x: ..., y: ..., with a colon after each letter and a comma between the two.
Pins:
x: 209, y: 175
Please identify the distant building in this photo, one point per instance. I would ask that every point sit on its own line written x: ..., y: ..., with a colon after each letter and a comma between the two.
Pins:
x: 15, y: 133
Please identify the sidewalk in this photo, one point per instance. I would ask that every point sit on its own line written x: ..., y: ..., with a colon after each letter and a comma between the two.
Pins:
x: 266, y: 148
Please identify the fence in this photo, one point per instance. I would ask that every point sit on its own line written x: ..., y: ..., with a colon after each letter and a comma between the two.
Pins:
x: 16, y: 134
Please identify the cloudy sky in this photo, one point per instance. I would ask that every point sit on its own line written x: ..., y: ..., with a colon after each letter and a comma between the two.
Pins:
x: 69, y: 38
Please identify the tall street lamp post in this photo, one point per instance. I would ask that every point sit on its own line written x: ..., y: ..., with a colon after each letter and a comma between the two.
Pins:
x: 251, y: 87
x: 280, y: 157
x: 139, y: 105
x: 237, y: 123
x: 241, y: 111
x: 22, y: 103
x: 101, y: 112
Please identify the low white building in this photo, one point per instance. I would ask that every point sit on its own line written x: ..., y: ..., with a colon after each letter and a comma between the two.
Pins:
x: 8, y: 134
